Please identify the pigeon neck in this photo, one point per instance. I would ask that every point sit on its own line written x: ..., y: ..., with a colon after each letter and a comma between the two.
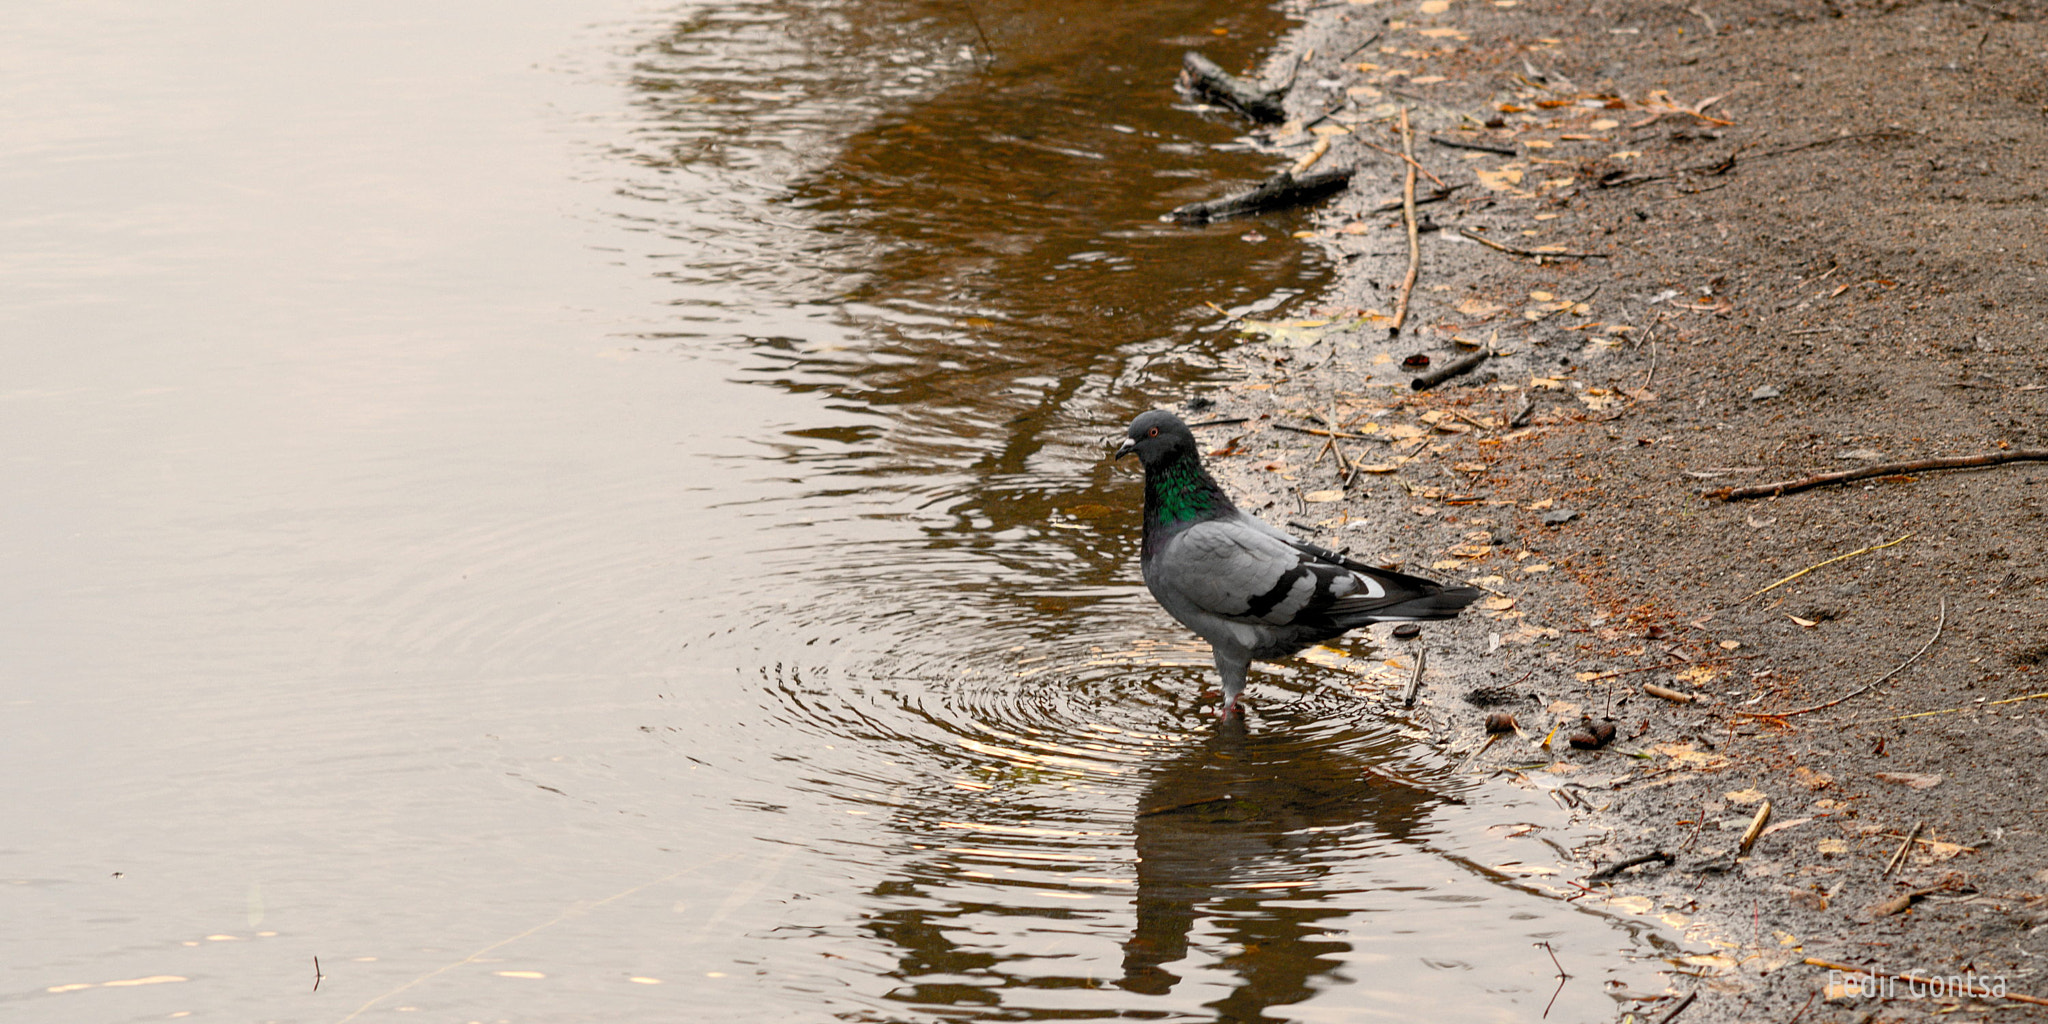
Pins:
x: 1182, y: 491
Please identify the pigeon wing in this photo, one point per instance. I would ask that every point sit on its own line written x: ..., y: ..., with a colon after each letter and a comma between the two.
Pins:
x: 1242, y: 569
x: 1234, y: 570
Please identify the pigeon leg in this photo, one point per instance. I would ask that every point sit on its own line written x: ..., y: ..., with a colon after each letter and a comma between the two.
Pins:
x: 1232, y: 666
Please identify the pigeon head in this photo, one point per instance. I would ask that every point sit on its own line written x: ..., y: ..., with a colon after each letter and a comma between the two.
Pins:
x: 1158, y: 438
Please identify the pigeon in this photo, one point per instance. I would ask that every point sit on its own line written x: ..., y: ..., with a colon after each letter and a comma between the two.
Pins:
x: 1250, y: 589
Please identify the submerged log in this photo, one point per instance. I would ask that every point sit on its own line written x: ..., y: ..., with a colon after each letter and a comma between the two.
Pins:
x: 1279, y: 191
x: 1206, y: 78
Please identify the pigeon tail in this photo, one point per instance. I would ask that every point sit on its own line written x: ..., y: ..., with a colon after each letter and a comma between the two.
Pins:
x: 1442, y: 603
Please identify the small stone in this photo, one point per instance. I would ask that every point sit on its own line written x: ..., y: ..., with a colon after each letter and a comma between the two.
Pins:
x: 1500, y: 721
x: 1407, y: 631
x: 1764, y: 391
x: 1559, y: 517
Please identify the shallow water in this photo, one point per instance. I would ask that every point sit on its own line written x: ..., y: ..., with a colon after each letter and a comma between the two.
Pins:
x: 602, y: 515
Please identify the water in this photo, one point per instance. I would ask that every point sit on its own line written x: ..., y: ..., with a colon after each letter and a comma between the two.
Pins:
x: 600, y: 514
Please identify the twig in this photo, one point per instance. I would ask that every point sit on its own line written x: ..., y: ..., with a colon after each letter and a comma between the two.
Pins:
x: 1291, y: 428
x: 1479, y: 147
x: 1904, y: 901
x: 1224, y: 422
x: 1883, y: 469
x: 1620, y: 866
x: 983, y: 36
x: 1314, y: 154
x: 1528, y: 408
x: 1680, y: 1008
x: 1950, y: 711
x: 317, y: 976
x: 1343, y: 464
x: 1755, y: 829
x: 1898, y: 858
x: 1415, y: 681
x: 1449, y: 370
x: 1803, y: 1007
x: 1515, y: 251
x: 1562, y: 977
x: 1369, y: 40
x: 1325, y: 115
x: 1424, y: 171
x: 1831, y: 561
x: 1147, y: 812
x: 1434, y: 197
x: 1669, y: 694
x: 1932, y: 984
x: 1474, y: 756
x: 1887, y: 133
x: 1939, y: 622
x: 1709, y: 659
x: 1408, y: 215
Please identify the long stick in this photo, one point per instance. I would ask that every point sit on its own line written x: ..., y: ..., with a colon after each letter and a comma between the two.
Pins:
x: 1539, y: 254
x: 1408, y: 215
x: 1449, y: 370
x: 1412, y: 162
x: 1938, y: 623
x: 1831, y: 561
x: 1900, y: 857
x: 1415, y: 681
x: 1882, y: 469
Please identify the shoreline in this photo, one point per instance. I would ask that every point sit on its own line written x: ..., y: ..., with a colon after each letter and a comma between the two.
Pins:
x: 1764, y: 299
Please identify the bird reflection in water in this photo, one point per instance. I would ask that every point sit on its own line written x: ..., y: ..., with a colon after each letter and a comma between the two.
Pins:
x: 1240, y: 830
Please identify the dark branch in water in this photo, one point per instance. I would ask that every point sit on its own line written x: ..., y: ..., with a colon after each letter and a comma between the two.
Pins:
x: 1205, y: 78
x: 1277, y: 192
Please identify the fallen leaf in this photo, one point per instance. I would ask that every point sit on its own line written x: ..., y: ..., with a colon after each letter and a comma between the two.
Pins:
x: 1685, y: 755
x: 1469, y: 467
x: 1503, y: 179
x: 1743, y: 797
x: 1808, y: 623
x: 1813, y: 780
x: 1478, y: 307
x: 1497, y: 604
x: 1832, y: 847
x: 1319, y: 497
x: 1698, y: 675
x: 1911, y: 779
x: 1379, y: 467
x: 1936, y: 850
x: 1091, y: 511
x: 1731, y: 645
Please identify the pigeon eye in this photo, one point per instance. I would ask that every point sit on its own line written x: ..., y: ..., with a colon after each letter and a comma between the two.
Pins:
x: 1154, y: 432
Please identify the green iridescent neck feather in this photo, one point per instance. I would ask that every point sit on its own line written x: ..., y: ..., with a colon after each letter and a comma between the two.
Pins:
x: 1182, y: 492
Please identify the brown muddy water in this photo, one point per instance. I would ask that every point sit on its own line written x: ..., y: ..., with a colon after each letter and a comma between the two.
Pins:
x: 600, y: 515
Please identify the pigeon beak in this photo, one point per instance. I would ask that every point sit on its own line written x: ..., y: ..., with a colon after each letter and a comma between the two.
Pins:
x: 1129, y: 447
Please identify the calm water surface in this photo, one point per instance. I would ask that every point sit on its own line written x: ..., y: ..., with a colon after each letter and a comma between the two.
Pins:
x: 597, y: 513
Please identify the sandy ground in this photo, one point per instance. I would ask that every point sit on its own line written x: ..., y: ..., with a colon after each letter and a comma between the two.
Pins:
x: 1820, y: 243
